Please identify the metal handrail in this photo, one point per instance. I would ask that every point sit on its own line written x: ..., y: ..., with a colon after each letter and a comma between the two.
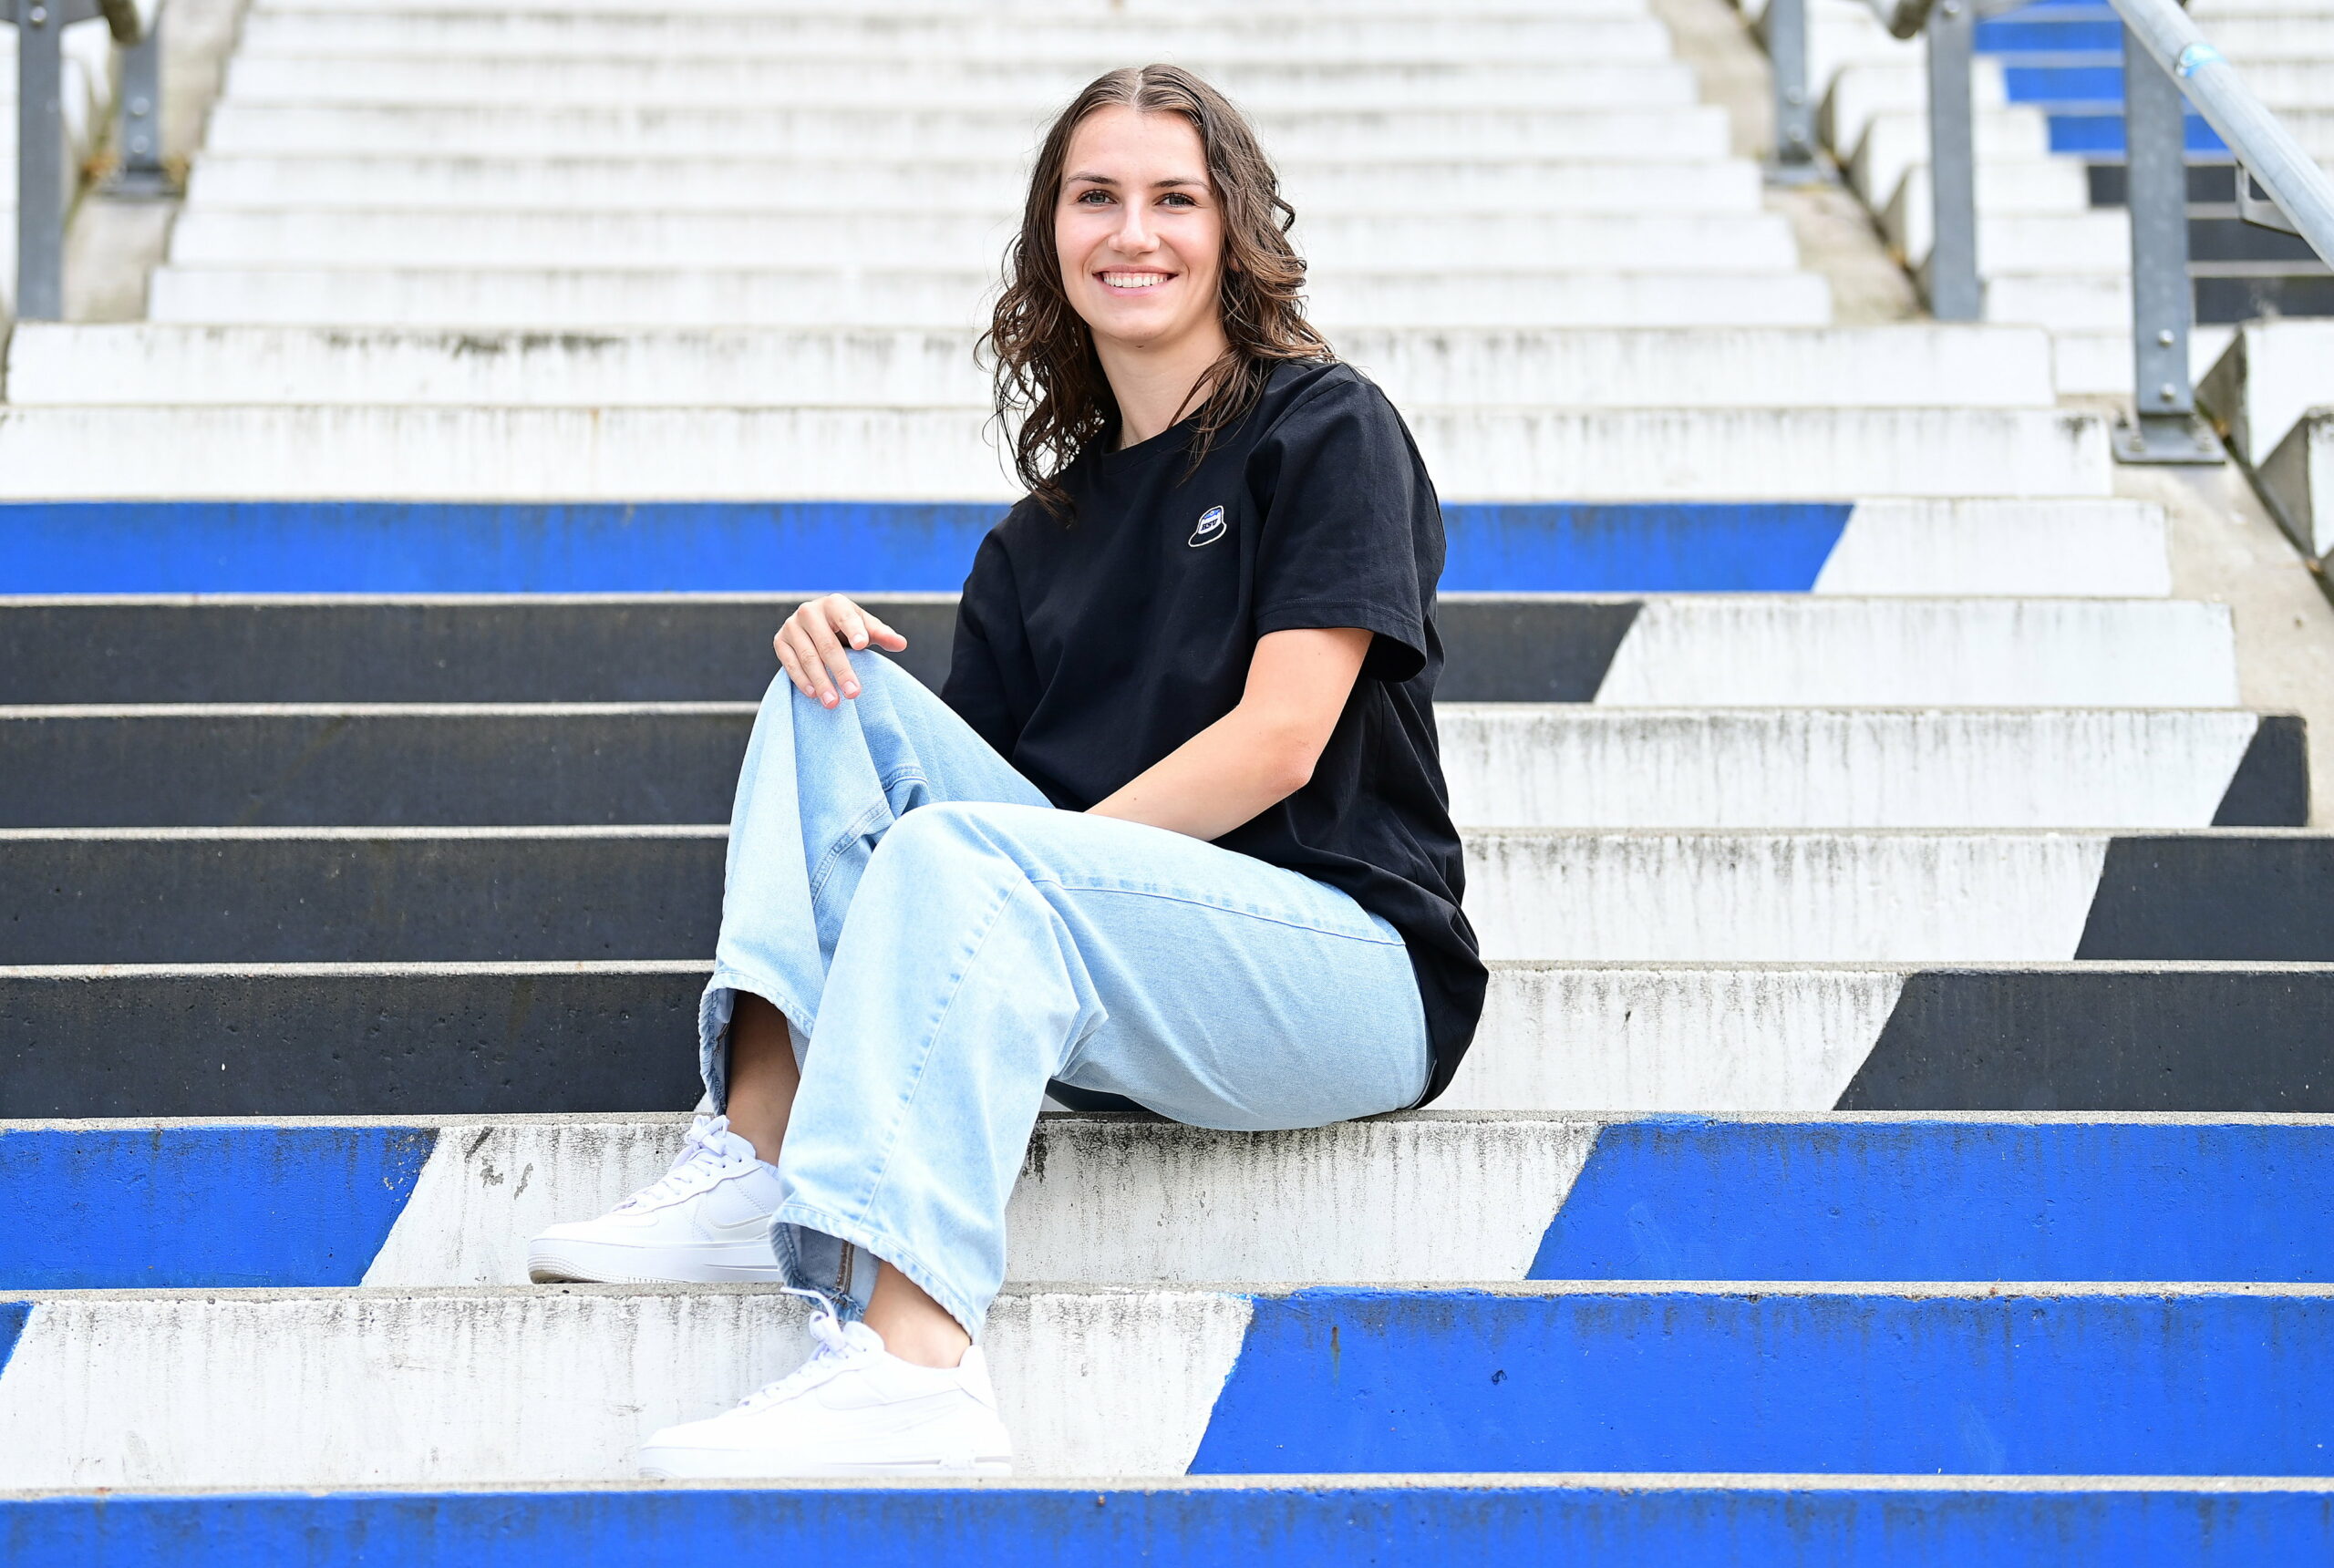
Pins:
x: 2257, y: 137
x: 44, y: 183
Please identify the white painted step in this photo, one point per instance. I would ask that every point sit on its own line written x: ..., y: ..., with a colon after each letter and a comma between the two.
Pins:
x: 1765, y: 896
x: 1860, y: 91
x: 704, y: 171
x: 1895, y: 141
x: 2297, y: 479
x: 2098, y: 360
x: 2269, y: 375
x: 146, y: 362
x: 2089, y: 302
x: 2006, y: 188
x: 1815, y: 651
x: 1346, y: 245
x: 1328, y: 37
x: 926, y: 12
x: 527, y: 1384
x: 1099, y: 1202
x: 1492, y: 454
x: 2088, y: 242
x: 1527, y: 765
x: 660, y: 297
x: 620, y: 129
x: 882, y: 80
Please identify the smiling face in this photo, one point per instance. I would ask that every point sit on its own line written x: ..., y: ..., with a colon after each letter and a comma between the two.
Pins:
x: 1140, y: 235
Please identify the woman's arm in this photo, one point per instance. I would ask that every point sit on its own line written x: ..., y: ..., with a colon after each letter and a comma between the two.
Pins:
x: 1260, y: 753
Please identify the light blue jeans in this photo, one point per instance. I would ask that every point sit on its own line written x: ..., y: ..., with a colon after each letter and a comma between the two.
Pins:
x: 947, y: 942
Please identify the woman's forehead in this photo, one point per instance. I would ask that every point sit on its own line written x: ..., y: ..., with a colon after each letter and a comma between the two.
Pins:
x: 1122, y: 142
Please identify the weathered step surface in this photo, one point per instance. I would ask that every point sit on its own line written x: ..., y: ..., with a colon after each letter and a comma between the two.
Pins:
x: 1686, y: 650
x: 168, y: 895
x: 1426, y: 1197
x: 2067, y: 547
x: 249, y: 1039
x: 1520, y: 765
x: 704, y: 172
x: 585, y: 295
x: 426, y: 1386
x: 159, y: 362
x: 1908, y: 1521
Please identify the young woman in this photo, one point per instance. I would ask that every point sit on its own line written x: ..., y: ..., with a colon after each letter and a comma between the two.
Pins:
x: 1173, y: 837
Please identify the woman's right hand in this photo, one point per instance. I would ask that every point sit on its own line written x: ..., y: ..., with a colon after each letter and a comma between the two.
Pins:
x: 813, y: 646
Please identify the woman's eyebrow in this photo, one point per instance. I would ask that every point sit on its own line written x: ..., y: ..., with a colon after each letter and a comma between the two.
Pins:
x: 1167, y: 183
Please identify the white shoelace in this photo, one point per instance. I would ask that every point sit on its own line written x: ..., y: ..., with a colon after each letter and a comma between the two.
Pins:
x: 835, y: 1345
x: 702, y: 1162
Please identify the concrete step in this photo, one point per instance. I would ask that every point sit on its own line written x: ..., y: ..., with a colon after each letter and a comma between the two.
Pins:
x: 1888, y: 1521
x: 569, y: 297
x: 147, y: 362
x: 2270, y: 375
x: 2297, y: 481
x: 881, y: 80
x: 1861, y: 90
x: 1523, y: 764
x: 217, y: 896
x: 1688, y: 651
x: 876, y: 13
x: 429, y: 1387
x: 690, y: 160
x: 2064, y: 301
x: 1096, y: 43
x: 1424, y: 1198
x: 529, y: 455
x: 1894, y: 141
x: 1730, y: 244
x: 2079, y: 243
x: 624, y: 130
x: 2098, y: 361
x: 2008, y: 188
x: 1463, y: 132
x: 499, y: 1039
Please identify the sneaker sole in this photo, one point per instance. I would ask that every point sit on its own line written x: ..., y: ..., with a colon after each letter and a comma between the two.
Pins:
x: 571, y: 1263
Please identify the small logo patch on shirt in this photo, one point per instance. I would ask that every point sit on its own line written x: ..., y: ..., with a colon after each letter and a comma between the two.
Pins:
x: 1210, y: 530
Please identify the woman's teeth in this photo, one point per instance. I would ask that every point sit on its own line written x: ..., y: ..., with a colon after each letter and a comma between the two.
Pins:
x: 1133, y: 280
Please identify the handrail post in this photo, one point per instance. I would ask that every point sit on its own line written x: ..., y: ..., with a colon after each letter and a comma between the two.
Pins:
x: 141, y: 173
x: 2165, y: 428
x: 1953, y: 288
x: 1793, y: 162
x: 41, y: 190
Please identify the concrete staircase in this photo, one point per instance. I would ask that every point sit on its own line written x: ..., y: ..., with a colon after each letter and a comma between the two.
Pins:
x: 1898, y: 1134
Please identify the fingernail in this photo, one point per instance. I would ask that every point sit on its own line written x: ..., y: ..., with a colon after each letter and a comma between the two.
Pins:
x: 828, y: 700
x: 850, y: 690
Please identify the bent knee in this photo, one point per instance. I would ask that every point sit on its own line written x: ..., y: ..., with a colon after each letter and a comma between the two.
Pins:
x: 948, y: 831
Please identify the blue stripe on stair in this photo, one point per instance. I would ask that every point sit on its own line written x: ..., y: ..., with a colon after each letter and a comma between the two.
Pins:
x: 378, y: 547
x: 1357, y: 1380
x: 1288, y: 1525
x: 201, y: 1206
x: 14, y: 1316
x: 1689, y: 1198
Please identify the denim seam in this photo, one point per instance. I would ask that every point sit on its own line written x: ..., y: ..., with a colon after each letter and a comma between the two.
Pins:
x: 1067, y: 884
x: 882, y: 1246
x: 832, y: 856
x: 888, y: 1145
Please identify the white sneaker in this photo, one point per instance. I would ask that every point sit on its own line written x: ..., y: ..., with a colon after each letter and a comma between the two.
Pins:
x: 704, y: 1222
x: 853, y: 1409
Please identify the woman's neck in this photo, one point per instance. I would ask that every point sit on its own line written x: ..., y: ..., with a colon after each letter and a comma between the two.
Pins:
x: 1157, y: 384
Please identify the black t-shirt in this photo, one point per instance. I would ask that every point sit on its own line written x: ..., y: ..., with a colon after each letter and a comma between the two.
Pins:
x: 1087, y: 650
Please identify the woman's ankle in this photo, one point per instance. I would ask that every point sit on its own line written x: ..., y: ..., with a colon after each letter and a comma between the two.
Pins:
x: 912, y: 1326
x: 763, y: 1076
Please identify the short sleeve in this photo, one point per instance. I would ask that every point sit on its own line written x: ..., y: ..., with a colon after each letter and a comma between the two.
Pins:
x: 988, y: 648
x: 1352, y: 533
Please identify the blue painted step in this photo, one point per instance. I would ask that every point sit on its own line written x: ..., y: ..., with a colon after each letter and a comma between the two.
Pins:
x: 1840, y: 1380
x: 1764, y: 1523
x: 346, y: 547
x: 1950, y: 1198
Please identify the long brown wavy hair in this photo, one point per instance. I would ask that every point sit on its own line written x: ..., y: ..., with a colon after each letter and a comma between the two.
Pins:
x: 1050, y: 391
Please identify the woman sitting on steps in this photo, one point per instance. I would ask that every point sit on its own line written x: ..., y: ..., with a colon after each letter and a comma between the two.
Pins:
x: 1174, y: 831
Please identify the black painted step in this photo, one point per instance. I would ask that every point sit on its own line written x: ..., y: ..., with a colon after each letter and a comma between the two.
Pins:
x: 454, y: 1041
x: 548, y: 649
x: 324, y: 895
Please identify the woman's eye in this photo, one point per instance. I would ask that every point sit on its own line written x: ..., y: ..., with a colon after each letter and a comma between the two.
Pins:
x: 1093, y: 197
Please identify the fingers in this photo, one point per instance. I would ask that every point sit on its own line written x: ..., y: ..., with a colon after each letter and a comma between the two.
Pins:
x: 830, y: 671
x: 888, y: 640
x: 791, y: 661
x: 814, y: 647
